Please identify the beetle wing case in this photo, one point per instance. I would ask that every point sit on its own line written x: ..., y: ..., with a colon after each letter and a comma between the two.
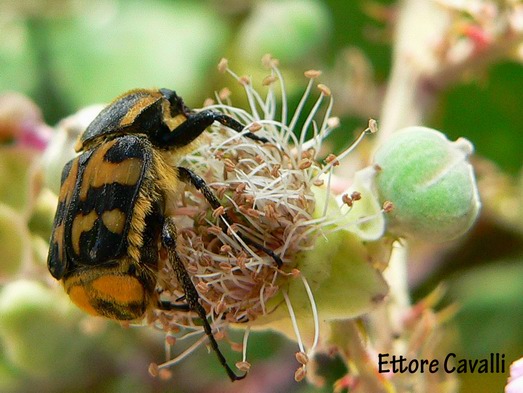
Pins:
x: 93, y: 221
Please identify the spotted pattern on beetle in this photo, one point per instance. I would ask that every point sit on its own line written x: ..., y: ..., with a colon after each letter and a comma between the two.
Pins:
x: 97, y: 199
x: 108, y: 216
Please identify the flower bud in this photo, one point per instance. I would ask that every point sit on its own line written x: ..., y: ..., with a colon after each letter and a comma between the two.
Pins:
x: 430, y: 183
x: 61, y: 147
x: 14, y: 241
x: 38, y: 332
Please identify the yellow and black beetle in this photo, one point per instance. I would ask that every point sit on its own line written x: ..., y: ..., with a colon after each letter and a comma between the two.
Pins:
x: 113, y: 214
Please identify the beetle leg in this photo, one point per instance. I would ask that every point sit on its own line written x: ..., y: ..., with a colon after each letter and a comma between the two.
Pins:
x: 168, y: 306
x: 191, y: 294
x: 235, y: 125
x: 188, y: 176
x: 196, y: 123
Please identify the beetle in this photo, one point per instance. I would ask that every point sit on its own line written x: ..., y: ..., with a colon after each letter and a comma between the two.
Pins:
x: 114, y: 212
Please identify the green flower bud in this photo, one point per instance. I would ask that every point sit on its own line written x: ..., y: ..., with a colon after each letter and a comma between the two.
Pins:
x: 430, y: 183
x: 18, y: 178
x: 41, y: 221
x: 14, y: 241
x: 37, y: 333
x: 10, y: 377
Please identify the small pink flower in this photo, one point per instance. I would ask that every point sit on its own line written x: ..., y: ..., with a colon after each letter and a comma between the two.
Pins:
x: 515, y: 382
x: 35, y: 136
x: 21, y: 121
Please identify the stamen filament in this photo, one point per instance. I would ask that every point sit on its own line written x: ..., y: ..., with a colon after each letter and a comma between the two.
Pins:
x: 314, y: 315
x: 293, y: 319
x: 244, y: 345
x: 184, y: 354
x: 348, y: 150
x: 308, y: 121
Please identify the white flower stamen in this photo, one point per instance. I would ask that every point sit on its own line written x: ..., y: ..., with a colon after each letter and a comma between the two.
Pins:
x: 314, y: 316
x: 268, y: 197
x: 245, y: 341
x: 301, y: 104
x: 346, y: 152
x: 293, y: 320
x: 184, y: 354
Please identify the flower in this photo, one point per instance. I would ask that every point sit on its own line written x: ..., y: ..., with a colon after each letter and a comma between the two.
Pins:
x: 279, y: 196
x: 515, y: 382
x: 21, y: 121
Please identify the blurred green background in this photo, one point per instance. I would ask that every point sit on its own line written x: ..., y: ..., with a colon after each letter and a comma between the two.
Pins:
x: 67, y: 54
